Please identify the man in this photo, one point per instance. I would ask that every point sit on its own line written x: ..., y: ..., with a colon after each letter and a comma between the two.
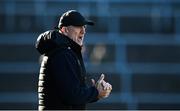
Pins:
x: 62, y: 73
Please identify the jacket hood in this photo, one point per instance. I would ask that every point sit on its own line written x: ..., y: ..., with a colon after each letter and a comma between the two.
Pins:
x: 52, y: 39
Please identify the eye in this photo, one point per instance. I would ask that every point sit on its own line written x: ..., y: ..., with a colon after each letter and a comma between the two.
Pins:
x: 85, y: 26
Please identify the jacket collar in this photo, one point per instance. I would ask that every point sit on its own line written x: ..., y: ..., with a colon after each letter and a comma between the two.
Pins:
x: 63, y: 39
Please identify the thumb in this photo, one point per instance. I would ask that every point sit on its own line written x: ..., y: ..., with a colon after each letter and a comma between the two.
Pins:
x: 93, y: 82
x: 101, y: 78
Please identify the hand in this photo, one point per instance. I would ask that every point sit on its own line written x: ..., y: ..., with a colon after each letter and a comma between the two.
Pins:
x: 103, y: 87
x: 107, y: 87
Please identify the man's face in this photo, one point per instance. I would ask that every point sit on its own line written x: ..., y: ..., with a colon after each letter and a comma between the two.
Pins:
x: 76, y: 33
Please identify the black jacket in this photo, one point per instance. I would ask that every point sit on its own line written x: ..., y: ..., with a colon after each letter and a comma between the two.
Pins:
x: 62, y: 74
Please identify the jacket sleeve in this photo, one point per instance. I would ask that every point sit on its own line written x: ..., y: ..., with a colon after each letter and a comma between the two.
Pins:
x: 64, y: 68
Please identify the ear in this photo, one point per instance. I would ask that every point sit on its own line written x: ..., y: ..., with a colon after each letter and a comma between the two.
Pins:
x: 64, y: 30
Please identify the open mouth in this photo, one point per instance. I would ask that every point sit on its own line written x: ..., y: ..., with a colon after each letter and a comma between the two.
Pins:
x: 80, y: 37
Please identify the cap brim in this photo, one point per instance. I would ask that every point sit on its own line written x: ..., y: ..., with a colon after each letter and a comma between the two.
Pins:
x: 88, y: 22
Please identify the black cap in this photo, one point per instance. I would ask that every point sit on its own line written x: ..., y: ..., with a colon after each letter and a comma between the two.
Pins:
x: 74, y: 18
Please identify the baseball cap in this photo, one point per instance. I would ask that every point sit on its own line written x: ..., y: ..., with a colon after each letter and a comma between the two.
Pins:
x: 74, y: 18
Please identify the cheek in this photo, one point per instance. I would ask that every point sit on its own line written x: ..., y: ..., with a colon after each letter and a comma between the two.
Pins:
x: 76, y: 34
x: 72, y: 34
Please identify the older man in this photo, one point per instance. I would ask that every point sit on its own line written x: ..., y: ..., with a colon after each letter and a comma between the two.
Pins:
x: 62, y: 73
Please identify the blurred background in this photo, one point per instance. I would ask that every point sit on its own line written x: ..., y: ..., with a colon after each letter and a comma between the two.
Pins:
x: 135, y: 43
